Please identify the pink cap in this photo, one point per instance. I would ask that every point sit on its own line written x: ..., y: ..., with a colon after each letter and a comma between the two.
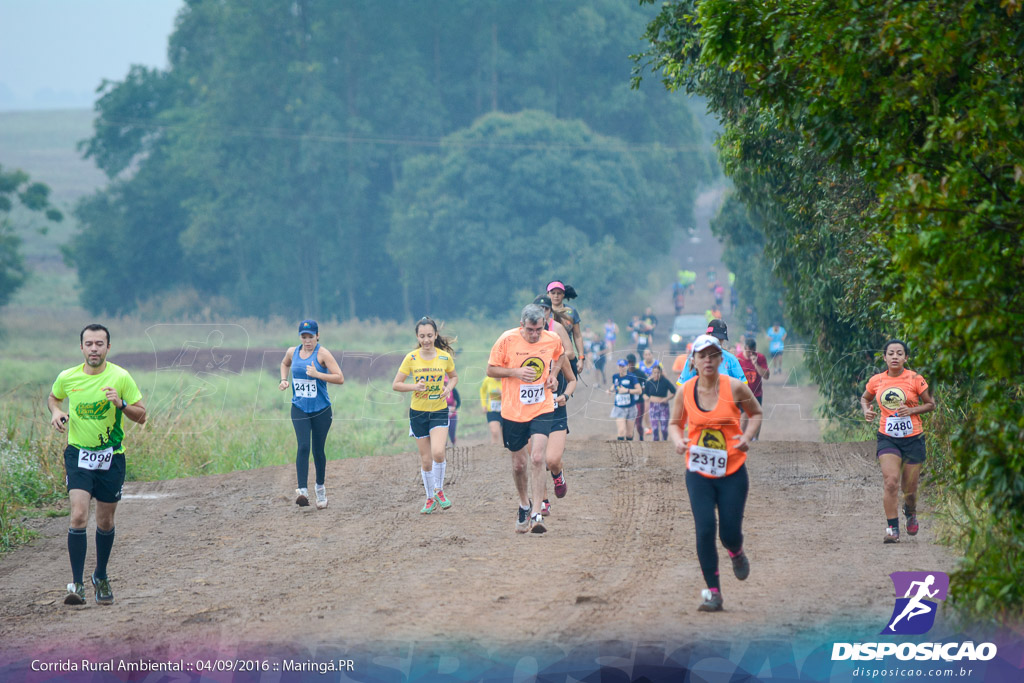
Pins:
x: 556, y: 285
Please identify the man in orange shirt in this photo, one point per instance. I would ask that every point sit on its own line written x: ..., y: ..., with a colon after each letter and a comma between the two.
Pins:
x: 527, y: 360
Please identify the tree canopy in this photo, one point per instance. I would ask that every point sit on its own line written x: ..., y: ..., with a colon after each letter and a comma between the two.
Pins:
x: 17, y: 190
x: 880, y: 146
x: 289, y: 151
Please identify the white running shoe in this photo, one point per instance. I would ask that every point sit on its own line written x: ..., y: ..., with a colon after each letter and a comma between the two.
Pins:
x: 321, y: 497
x: 302, y: 497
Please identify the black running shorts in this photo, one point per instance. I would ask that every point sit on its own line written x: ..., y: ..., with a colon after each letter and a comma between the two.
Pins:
x: 422, y: 421
x: 909, y: 448
x: 517, y: 434
x: 103, y: 485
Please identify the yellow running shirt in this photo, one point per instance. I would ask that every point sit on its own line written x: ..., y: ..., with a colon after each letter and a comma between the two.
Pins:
x: 490, y: 394
x: 430, y: 372
x: 523, y: 401
x: 93, y: 421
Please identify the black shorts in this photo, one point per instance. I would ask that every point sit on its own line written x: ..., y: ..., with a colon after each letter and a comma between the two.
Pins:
x: 421, y: 422
x: 103, y: 485
x: 909, y: 448
x: 574, y: 364
x: 560, y: 420
x: 493, y: 416
x: 517, y: 434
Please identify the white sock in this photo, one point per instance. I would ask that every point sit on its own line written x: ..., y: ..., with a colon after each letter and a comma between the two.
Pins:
x: 439, y: 468
x: 428, y: 482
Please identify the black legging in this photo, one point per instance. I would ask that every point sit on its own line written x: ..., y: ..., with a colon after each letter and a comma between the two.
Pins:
x: 311, y: 427
x: 729, y: 494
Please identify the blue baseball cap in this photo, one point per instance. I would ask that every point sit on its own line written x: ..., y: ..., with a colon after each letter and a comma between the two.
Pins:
x: 308, y: 327
x: 623, y: 364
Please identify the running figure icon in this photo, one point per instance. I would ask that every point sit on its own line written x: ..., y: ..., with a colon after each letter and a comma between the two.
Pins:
x: 916, y: 607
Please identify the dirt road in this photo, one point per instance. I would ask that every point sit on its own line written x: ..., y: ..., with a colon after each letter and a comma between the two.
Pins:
x: 229, y: 560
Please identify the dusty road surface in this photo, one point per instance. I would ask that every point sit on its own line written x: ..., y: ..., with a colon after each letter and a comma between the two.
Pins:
x: 228, y: 561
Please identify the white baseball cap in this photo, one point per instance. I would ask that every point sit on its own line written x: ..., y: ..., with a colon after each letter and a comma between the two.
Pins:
x: 704, y: 341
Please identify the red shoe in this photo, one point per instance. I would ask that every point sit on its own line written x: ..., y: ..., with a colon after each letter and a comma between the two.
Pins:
x: 560, y: 486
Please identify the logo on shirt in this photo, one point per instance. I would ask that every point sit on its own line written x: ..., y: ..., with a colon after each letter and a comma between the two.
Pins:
x: 893, y: 398
x: 712, y: 438
x: 93, y: 411
x: 537, y: 364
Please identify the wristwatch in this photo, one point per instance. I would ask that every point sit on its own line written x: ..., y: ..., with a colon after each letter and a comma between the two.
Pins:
x: 124, y: 404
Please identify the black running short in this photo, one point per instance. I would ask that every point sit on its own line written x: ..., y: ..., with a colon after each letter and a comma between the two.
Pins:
x: 493, y: 416
x: 909, y: 448
x: 421, y: 422
x: 517, y: 434
x: 103, y: 485
x: 560, y: 420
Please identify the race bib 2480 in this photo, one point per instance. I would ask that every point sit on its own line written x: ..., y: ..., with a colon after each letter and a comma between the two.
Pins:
x: 898, y: 426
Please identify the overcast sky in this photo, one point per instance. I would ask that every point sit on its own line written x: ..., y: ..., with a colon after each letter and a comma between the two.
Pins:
x: 54, y: 53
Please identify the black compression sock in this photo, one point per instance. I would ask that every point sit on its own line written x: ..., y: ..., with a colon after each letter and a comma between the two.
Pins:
x: 78, y: 542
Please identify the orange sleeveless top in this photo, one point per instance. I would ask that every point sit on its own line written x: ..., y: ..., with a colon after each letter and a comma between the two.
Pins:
x: 715, y: 430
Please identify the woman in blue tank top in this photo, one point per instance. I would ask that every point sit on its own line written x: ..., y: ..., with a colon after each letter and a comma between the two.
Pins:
x: 308, y: 368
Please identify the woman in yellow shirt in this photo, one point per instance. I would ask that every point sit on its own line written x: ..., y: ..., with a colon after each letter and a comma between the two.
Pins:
x: 429, y: 366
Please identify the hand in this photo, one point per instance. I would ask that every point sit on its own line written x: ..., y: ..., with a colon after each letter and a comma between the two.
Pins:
x: 581, y: 363
x: 552, y: 382
x: 524, y: 374
x: 561, y: 399
x: 903, y: 411
x: 744, y: 443
x: 58, y: 420
x: 621, y: 389
x: 680, y: 445
x: 312, y: 372
x: 870, y: 415
x: 420, y: 386
x: 445, y: 391
x: 112, y: 396
x: 283, y: 384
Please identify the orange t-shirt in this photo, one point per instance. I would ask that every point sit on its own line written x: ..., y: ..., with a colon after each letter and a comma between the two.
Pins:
x: 892, y: 392
x: 713, y: 430
x: 523, y: 401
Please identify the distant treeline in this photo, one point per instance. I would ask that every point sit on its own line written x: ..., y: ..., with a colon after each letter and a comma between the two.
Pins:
x: 385, y: 159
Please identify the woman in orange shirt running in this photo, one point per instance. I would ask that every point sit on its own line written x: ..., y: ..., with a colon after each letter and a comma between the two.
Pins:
x: 903, y: 396
x: 716, y: 453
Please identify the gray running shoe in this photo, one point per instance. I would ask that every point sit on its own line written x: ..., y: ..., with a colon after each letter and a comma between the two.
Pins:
x: 523, y: 521
x: 321, y: 497
x: 741, y: 566
x: 76, y: 594
x: 712, y: 601
x: 302, y: 497
x: 892, y: 535
x: 104, y: 596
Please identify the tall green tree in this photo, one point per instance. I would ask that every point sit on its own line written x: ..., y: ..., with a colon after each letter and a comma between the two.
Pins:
x: 906, y: 118
x: 18, y: 190
x: 512, y: 200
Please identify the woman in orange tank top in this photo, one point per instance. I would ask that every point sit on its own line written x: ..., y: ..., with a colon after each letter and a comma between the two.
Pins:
x: 715, y: 447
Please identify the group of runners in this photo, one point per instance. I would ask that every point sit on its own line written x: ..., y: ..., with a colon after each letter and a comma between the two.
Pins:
x: 531, y: 374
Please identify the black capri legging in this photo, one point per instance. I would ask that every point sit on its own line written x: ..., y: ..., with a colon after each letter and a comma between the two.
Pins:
x: 729, y: 495
x: 311, y: 428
